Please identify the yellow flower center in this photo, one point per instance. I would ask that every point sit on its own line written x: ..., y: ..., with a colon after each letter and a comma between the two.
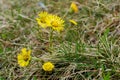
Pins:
x: 54, y: 23
x: 26, y: 57
x: 43, y: 20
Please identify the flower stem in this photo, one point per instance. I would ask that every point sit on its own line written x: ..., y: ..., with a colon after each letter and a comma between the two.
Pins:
x: 51, y: 39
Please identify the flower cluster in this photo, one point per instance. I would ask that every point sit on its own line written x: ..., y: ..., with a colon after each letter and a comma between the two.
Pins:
x: 24, y: 57
x: 49, y: 20
x: 45, y: 20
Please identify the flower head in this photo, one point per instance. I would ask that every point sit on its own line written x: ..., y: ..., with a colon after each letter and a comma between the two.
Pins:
x: 42, y: 19
x: 48, y: 66
x: 73, y: 22
x: 56, y: 22
x: 49, y: 20
x: 74, y: 7
x: 24, y: 57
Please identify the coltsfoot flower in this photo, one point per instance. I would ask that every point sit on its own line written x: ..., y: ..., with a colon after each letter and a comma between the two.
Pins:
x: 24, y: 57
x: 56, y: 23
x: 48, y: 66
x: 74, y: 7
x: 42, y: 19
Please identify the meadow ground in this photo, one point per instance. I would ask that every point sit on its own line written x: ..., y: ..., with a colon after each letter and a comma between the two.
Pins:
x: 89, y: 50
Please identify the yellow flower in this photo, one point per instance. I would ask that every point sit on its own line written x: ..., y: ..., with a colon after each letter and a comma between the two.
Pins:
x: 55, y: 22
x: 73, y: 22
x: 49, y: 20
x: 42, y: 19
x: 74, y: 7
x: 24, y: 57
x: 48, y: 66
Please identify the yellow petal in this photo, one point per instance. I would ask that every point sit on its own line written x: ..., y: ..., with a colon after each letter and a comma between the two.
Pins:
x: 23, y: 63
x: 73, y: 22
x: 24, y: 50
x: 19, y: 57
x: 29, y: 52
